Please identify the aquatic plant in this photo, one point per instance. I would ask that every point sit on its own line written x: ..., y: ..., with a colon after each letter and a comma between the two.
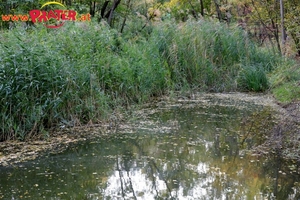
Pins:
x: 252, y: 78
x: 208, y: 56
x: 50, y: 79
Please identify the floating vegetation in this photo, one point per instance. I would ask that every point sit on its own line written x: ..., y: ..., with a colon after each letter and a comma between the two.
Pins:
x: 139, y: 119
x: 170, y: 150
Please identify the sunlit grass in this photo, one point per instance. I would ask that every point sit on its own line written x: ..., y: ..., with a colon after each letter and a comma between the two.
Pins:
x: 285, y: 82
x: 287, y: 92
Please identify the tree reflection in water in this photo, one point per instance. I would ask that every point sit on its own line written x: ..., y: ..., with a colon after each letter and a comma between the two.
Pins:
x: 203, y: 159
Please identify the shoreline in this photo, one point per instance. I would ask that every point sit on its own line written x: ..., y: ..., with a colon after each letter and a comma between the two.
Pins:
x: 14, y: 152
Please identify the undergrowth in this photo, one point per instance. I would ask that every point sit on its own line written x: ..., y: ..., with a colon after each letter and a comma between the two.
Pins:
x: 81, y: 72
x: 285, y: 82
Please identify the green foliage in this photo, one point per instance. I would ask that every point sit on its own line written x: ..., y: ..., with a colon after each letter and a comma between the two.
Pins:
x: 288, y: 92
x: 80, y: 72
x: 207, y: 55
x: 182, y: 9
x: 293, y: 22
x: 252, y: 78
x: 285, y: 82
x: 48, y: 77
x: 43, y: 82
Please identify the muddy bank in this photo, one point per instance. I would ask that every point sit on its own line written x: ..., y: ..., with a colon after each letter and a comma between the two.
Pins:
x: 283, y: 136
x: 12, y: 152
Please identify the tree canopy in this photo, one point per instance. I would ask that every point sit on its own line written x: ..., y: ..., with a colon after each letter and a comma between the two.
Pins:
x: 260, y: 18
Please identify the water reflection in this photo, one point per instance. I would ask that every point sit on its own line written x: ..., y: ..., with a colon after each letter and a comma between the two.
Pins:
x: 202, y: 159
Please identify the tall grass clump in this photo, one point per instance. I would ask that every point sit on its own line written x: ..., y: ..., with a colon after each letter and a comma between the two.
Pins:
x: 252, y: 78
x: 285, y: 80
x: 144, y: 74
x: 47, y: 79
x: 71, y: 76
x: 209, y: 56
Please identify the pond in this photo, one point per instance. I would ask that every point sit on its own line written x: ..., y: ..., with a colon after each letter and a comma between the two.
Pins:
x: 185, y: 150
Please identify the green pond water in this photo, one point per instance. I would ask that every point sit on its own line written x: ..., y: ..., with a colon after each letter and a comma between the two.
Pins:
x: 180, y: 151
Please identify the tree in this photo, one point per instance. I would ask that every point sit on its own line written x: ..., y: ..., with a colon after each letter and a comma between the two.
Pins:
x: 292, y: 22
x: 181, y: 9
x: 269, y: 20
x: 282, y: 22
x: 266, y: 14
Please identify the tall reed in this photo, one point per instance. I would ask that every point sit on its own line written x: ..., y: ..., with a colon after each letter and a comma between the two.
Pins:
x: 208, y: 56
x: 81, y: 72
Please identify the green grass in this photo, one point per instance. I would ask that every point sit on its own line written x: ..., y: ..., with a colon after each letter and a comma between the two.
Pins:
x: 82, y: 72
x: 285, y: 82
x: 209, y: 56
x: 252, y: 78
x: 287, y: 92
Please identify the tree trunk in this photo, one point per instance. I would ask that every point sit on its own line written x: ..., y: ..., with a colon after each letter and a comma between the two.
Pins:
x: 104, y: 8
x: 275, y: 31
x: 194, y: 13
x: 124, y: 21
x: 92, y: 8
x: 218, y: 10
x: 282, y: 22
x: 111, y: 12
x: 202, y: 8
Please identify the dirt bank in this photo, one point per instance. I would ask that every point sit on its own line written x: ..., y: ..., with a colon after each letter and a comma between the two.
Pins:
x: 284, y: 138
x: 12, y: 152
